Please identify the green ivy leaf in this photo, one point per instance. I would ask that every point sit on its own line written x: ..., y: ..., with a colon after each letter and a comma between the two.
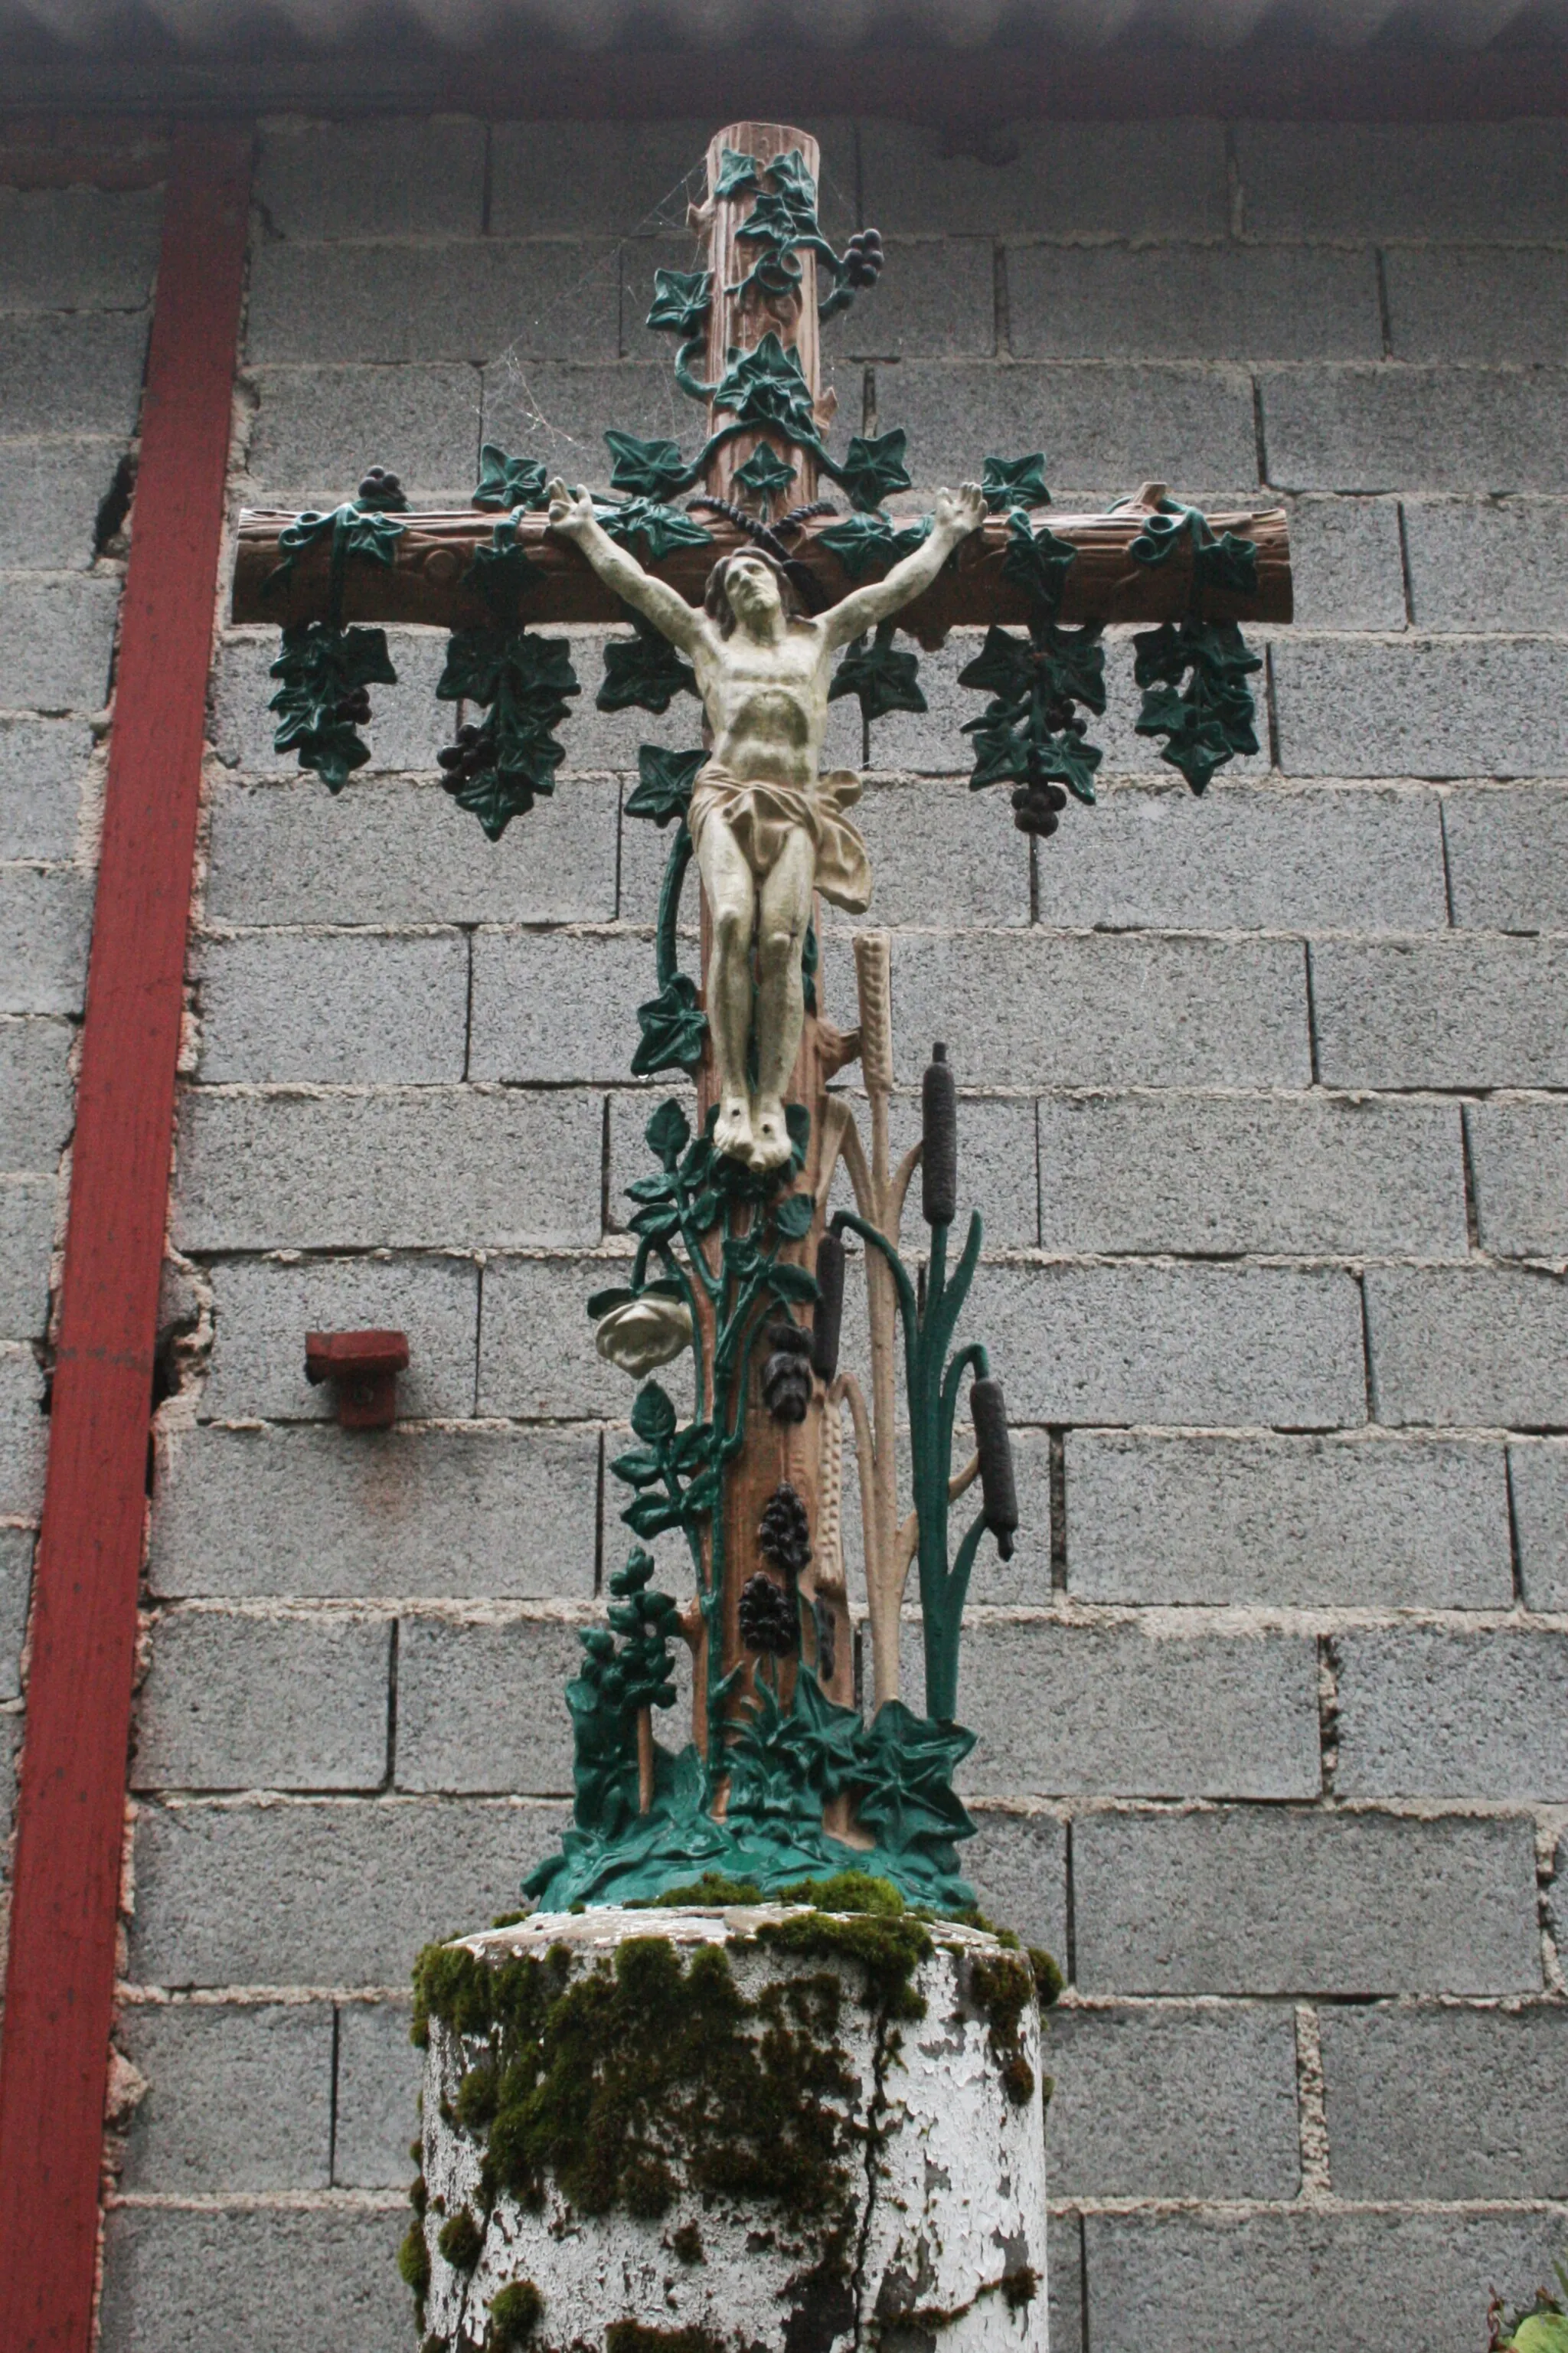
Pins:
x: 681, y: 301
x: 508, y: 482
x: 653, y: 1415
x: 793, y: 1215
x: 737, y: 175
x: 1001, y: 749
x: 1003, y: 666
x: 879, y: 676
x: 640, y: 1468
x: 320, y: 669
x: 667, y: 1132
x: 645, y: 672
x: 673, y: 1028
x: 1038, y: 562
x: 766, y: 388
x: 1008, y: 482
x: 862, y: 541
x: 874, y: 469
x: 764, y: 473
x: 792, y: 178
x: 502, y: 574
x: 1229, y: 566
x: 664, y: 783
x: 657, y: 529
x: 649, y: 470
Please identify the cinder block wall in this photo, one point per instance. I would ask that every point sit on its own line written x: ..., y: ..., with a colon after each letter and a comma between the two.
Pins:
x: 76, y: 277
x: 1266, y: 1113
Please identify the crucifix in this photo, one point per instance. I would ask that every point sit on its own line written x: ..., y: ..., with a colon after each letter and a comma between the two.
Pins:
x: 741, y: 597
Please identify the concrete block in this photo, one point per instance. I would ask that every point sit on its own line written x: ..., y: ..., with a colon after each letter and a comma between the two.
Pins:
x: 402, y: 852
x: 1476, y: 182
x: 939, y: 856
x: 1480, y: 304
x: 406, y: 730
x: 1181, y: 1345
x: 237, y: 2098
x: 1242, y: 860
x: 1206, y: 1175
x: 74, y: 373
x: 337, y: 1892
x: 1063, y: 2280
x: 44, y: 923
x: 24, y: 1432
x: 1099, y: 423
x: 175, y: 2277
x: 557, y: 414
x: 1258, y: 1900
x: 50, y: 496
x: 1479, y: 1348
x: 1119, y: 1711
x: 36, y: 1098
x: 26, y: 1236
x: 1487, y: 564
x: 413, y: 176
x: 377, y: 1515
x: 377, y: 2111
x: 936, y: 300
x: 1447, y: 2103
x: 1193, y: 302
x: 316, y: 428
x: 370, y: 1009
x: 1518, y: 1157
x: 1352, y: 428
x: 1345, y: 563
x: 1421, y: 709
x: 1437, y: 1715
x: 553, y: 1006
x: 479, y: 1708
x: 1057, y: 179
x: 42, y: 763
x: 1458, y: 1012
x: 1538, y: 1481
x: 1286, y: 1523
x: 411, y: 1168
x: 537, y: 1359
x: 263, y: 1308
x: 1508, y: 859
x: 1279, y: 2281
x: 996, y: 1173
x: 242, y: 1702
x: 466, y: 300
x: 59, y: 636
x: 555, y: 179
x: 1026, y: 1009
x: 1018, y: 1864
x: 16, y: 1590
x: 77, y: 250
x: 1172, y: 2103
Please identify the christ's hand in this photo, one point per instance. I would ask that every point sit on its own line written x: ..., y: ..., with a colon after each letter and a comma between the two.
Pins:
x: 571, y: 512
x: 958, y: 513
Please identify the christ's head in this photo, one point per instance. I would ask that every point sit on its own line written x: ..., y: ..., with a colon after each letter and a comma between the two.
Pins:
x: 749, y: 588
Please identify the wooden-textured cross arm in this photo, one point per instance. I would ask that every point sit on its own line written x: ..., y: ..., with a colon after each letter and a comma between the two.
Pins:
x: 424, y: 582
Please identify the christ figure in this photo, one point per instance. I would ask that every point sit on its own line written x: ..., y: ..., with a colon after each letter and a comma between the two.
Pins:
x: 767, y: 828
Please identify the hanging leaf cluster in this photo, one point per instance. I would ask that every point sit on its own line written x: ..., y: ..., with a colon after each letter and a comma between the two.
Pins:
x: 881, y: 676
x: 497, y: 769
x: 781, y: 222
x: 643, y: 672
x: 1030, y: 735
x: 323, y: 698
x: 1194, y: 672
x: 616, y: 1682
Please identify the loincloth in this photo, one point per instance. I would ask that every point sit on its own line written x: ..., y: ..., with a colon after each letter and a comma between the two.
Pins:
x: 762, y: 817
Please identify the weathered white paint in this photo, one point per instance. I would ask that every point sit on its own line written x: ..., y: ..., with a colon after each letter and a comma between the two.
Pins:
x: 950, y: 2196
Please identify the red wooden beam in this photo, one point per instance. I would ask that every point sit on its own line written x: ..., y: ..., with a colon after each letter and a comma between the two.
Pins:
x: 71, y: 1812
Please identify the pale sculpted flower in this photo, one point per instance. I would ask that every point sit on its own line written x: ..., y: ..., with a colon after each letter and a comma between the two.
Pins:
x: 642, y: 1334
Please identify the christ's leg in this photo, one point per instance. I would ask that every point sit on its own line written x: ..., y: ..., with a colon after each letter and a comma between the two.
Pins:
x: 731, y: 892
x: 781, y: 997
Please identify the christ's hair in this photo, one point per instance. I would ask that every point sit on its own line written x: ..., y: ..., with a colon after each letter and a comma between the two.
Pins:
x: 716, y: 596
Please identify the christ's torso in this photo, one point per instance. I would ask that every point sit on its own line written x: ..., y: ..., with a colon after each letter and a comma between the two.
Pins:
x: 766, y: 704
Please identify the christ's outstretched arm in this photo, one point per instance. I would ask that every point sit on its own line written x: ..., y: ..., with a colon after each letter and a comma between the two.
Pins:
x: 957, y: 513
x: 571, y: 515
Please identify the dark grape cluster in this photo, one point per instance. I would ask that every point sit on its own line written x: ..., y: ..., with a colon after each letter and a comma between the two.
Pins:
x: 787, y: 1372
x: 770, y: 1622
x: 382, y: 491
x: 353, y: 710
x: 1038, y: 808
x: 863, y: 258
x: 468, y: 757
x: 785, y: 1536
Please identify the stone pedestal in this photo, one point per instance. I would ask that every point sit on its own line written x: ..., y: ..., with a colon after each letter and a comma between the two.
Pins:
x: 715, y: 2130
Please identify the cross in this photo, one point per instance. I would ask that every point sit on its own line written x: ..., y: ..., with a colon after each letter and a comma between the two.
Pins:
x: 737, y: 1261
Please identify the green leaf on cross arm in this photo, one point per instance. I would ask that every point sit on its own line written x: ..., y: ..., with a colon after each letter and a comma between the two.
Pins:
x: 859, y: 542
x: 874, y: 469
x: 792, y: 180
x: 765, y: 473
x: 508, y: 482
x: 653, y: 1415
x: 1164, y: 529
x: 673, y: 1028
x: 1230, y: 564
x: 737, y: 175
x: 667, y: 1132
x: 681, y: 301
x: 664, y: 783
x: 502, y: 573
x: 649, y: 470
x: 764, y: 387
x: 657, y: 528
x: 644, y: 672
x: 1038, y: 562
x: 1008, y: 482
x: 880, y: 676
